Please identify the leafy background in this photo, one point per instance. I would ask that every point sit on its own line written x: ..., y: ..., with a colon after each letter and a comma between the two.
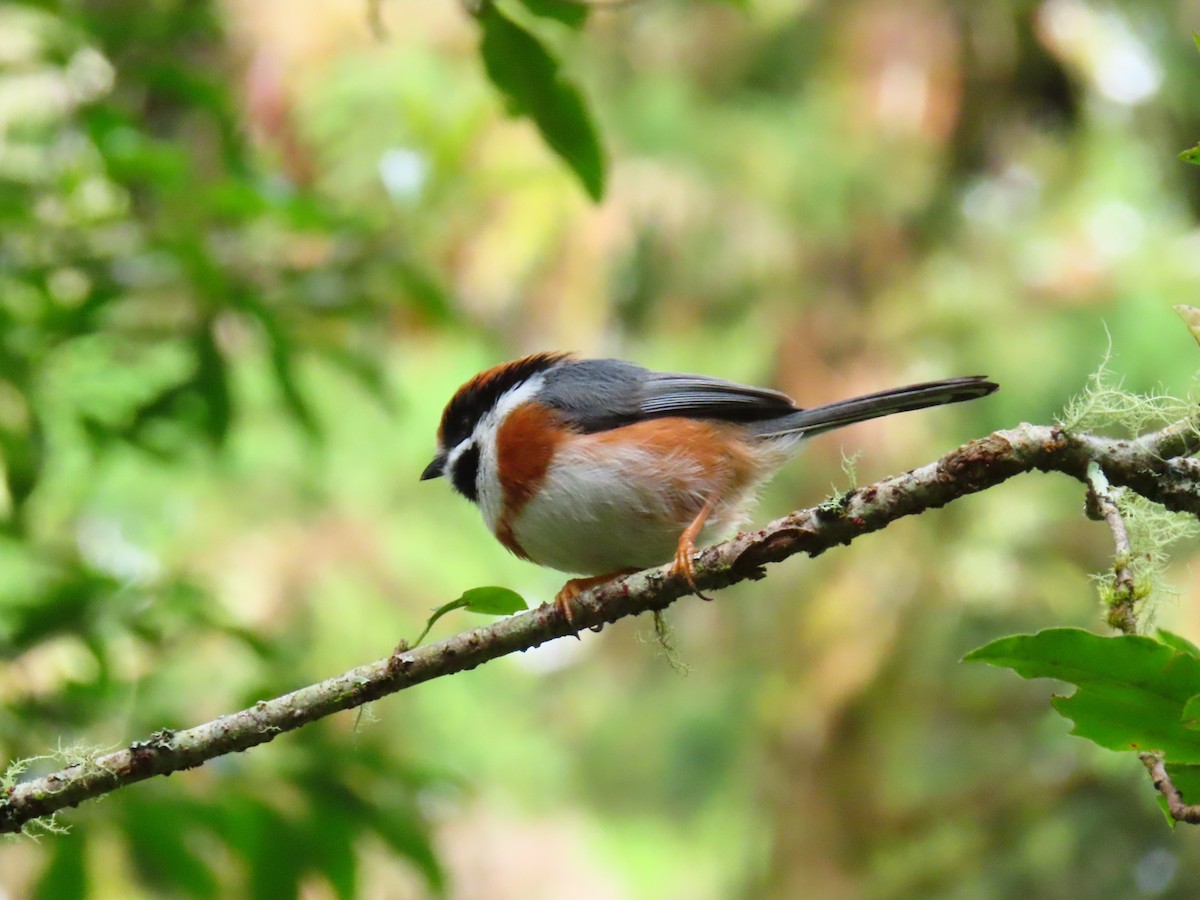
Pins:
x: 248, y: 250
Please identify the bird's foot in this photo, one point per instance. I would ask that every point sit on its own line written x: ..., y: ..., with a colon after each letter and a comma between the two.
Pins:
x: 576, y: 586
x: 683, y: 564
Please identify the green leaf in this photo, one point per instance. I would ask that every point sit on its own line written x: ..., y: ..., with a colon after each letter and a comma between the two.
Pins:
x: 23, y: 453
x: 571, y: 13
x: 65, y: 874
x: 1191, y: 156
x: 1187, y: 780
x: 283, y: 365
x: 367, y: 371
x: 401, y: 829
x: 212, y: 382
x: 161, y: 838
x: 531, y: 82
x: 334, y: 823
x: 278, y: 857
x: 1191, y: 713
x: 1132, y: 689
x: 425, y: 292
x: 1177, y: 643
x: 491, y: 601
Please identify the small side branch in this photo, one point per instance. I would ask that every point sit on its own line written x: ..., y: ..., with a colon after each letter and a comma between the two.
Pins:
x: 1179, y: 810
x: 1147, y: 465
x: 1102, y: 504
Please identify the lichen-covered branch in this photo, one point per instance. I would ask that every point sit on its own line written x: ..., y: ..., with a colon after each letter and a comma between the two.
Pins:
x: 1102, y: 504
x: 1122, y: 615
x: 1151, y: 465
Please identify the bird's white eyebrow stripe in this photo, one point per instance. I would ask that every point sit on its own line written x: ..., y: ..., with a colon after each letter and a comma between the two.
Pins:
x: 459, y: 449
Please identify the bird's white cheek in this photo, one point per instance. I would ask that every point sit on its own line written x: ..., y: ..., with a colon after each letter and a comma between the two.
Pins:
x: 491, y: 496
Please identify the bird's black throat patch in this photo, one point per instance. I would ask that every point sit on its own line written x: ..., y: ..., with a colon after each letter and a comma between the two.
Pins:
x: 464, y: 474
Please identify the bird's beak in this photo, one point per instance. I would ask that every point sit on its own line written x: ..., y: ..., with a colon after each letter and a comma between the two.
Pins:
x: 435, y: 469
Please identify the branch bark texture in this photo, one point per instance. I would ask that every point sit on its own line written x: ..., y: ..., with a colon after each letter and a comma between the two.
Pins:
x: 1152, y: 465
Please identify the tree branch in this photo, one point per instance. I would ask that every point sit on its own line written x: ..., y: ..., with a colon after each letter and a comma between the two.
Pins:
x: 1147, y: 465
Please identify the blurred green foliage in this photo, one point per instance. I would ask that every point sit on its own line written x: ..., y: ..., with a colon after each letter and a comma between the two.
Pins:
x: 529, y: 77
x: 143, y: 251
x: 248, y: 250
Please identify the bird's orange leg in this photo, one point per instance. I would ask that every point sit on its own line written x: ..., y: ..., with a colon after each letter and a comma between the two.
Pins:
x: 577, y: 586
x: 687, y: 547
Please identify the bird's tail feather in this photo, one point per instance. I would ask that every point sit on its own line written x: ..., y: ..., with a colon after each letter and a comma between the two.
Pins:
x: 818, y: 419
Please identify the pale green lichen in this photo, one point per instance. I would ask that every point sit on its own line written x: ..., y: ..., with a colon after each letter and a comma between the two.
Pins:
x: 81, y: 754
x: 850, y: 470
x: 1152, y: 530
x: 76, y: 754
x: 34, y: 829
x: 1104, y: 405
x: 836, y: 501
x: 41, y: 825
x: 15, y: 769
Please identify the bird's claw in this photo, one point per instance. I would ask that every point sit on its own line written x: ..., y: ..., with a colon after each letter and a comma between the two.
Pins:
x: 684, y: 565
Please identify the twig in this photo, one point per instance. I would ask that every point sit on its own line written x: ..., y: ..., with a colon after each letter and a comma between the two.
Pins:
x: 1179, y: 810
x: 1144, y: 465
x: 1103, y: 505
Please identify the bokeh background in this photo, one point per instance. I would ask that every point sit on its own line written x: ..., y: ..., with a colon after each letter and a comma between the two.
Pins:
x: 247, y: 251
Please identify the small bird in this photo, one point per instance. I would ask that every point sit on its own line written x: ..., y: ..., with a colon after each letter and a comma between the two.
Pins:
x: 599, y: 467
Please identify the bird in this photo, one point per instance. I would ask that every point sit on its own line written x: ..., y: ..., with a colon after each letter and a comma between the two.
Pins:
x: 599, y: 467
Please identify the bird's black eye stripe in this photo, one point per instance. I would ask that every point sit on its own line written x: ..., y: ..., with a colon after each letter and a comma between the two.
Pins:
x: 465, y: 473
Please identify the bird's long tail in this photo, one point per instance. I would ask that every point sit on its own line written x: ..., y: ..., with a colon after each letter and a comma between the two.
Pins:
x: 818, y: 419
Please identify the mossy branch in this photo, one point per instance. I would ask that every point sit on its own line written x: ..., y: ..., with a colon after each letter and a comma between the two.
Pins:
x: 1154, y: 466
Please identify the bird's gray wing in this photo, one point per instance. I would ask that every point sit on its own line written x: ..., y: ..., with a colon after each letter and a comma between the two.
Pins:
x: 698, y: 396
x: 596, y: 395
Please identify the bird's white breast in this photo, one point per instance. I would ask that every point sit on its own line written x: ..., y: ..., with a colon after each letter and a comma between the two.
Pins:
x: 598, y: 512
